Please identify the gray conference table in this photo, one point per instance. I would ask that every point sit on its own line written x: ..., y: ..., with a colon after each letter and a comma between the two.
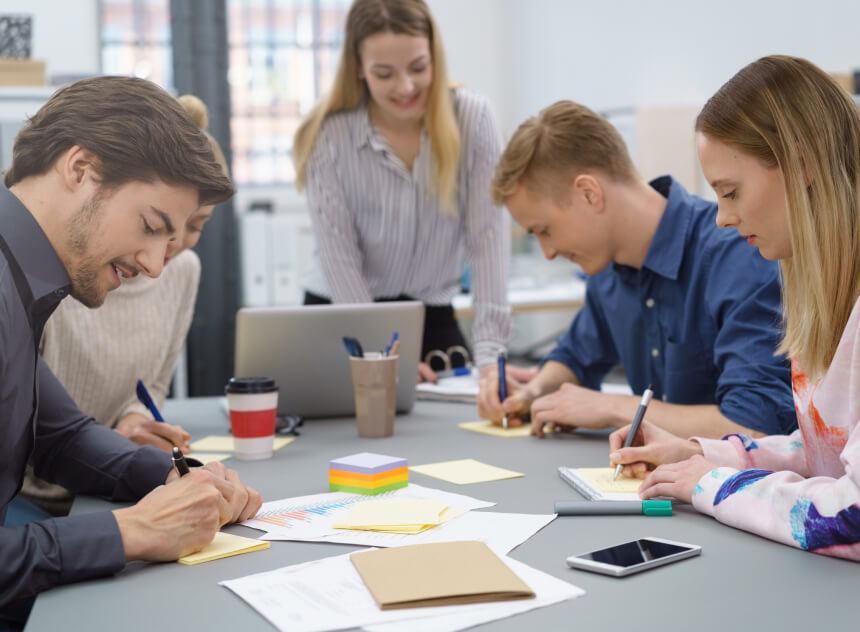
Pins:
x: 740, y: 581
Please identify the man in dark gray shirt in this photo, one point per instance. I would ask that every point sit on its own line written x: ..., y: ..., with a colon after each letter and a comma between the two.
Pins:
x: 102, y: 177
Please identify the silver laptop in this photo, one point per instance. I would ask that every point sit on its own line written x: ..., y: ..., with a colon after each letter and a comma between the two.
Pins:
x: 302, y: 349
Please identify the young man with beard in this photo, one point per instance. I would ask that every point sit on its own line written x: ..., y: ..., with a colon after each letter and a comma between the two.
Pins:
x: 102, y: 178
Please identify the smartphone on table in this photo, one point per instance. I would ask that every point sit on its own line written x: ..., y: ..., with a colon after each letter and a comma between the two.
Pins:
x: 632, y: 557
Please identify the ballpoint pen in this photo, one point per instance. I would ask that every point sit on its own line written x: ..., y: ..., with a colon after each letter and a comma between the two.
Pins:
x: 394, y: 338
x: 637, y: 420
x: 503, y: 385
x: 145, y: 399
x: 353, y: 347
x: 179, y: 462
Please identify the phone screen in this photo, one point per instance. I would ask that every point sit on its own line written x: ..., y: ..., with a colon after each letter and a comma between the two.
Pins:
x: 633, y: 553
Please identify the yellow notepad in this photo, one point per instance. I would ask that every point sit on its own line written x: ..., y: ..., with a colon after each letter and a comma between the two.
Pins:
x: 224, y: 443
x: 224, y: 545
x: 210, y: 457
x: 393, y: 512
x: 398, y: 516
x: 489, y: 428
x: 600, y: 479
x: 465, y: 471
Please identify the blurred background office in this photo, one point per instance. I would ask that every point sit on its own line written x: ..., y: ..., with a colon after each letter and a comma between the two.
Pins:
x: 261, y: 64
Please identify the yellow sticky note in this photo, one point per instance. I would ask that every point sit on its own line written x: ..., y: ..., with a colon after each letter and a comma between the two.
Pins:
x: 601, y: 479
x: 398, y: 529
x: 389, y: 513
x: 224, y: 545
x: 489, y: 428
x: 465, y: 471
x: 224, y: 443
x: 210, y: 457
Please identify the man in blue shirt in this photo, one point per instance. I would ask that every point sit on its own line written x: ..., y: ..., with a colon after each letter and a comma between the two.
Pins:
x: 678, y: 303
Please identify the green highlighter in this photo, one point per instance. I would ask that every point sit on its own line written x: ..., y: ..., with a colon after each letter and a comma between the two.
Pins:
x: 613, y: 507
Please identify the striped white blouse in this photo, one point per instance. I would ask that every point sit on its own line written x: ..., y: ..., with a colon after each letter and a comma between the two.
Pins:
x: 380, y: 232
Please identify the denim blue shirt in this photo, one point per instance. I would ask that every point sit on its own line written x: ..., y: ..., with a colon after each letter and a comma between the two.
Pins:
x: 699, y: 320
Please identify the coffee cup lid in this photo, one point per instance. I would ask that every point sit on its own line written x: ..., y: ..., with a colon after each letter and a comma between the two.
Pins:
x: 243, y: 385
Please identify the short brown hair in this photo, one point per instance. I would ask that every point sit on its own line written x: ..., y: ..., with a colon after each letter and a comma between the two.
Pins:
x: 135, y: 129
x: 551, y: 148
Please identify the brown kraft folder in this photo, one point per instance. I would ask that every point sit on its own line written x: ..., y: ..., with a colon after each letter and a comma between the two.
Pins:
x: 438, y: 574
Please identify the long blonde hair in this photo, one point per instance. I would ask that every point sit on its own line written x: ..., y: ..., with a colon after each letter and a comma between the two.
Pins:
x: 409, y: 17
x: 787, y: 112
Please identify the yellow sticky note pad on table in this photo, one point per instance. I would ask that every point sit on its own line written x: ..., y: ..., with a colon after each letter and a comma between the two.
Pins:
x: 601, y: 479
x: 398, y: 516
x: 224, y: 443
x: 427, y: 511
x: 489, y: 428
x: 224, y: 545
x: 465, y: 471
x: 210, y: 457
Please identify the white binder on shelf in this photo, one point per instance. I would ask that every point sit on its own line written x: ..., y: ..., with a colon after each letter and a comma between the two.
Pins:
x: 253, y: 245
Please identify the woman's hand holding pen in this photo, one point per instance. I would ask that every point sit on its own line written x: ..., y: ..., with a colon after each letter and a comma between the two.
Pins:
x: 145, y: 431
x: 652, y: 447
x: 676, y: 480
x: 675, y: 464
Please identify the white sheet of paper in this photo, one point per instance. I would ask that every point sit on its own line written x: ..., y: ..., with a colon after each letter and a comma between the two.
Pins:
x: 502, y: 532
x: 328, y: 594
x: 462, y: 388
x: 309, y: 517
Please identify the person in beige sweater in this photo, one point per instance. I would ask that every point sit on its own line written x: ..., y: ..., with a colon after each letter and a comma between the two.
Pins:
x: 99, y: 354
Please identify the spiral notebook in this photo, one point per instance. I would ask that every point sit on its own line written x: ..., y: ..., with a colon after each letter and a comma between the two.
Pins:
x: 595, y: 483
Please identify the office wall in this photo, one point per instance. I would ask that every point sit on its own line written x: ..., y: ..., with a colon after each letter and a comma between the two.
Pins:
x: 65, y: 33
x: 525, y: 54
x: 474, y: 33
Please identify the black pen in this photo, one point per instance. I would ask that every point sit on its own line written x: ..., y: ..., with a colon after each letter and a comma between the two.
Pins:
x: 637, y: 419
x: 179, y: 462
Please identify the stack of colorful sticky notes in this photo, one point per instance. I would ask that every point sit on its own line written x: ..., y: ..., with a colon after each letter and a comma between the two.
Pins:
x: 367, y: 473
x: 398, y: 516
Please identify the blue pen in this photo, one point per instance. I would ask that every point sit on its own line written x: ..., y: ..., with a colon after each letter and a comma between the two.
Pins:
x: 394, y: 338
x: 353, y: 347
x: 503, y: 385
x: 146, y: 400
x: 458, y: 372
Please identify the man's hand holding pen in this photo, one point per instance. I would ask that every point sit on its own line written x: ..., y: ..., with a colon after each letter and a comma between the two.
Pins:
x: 183, y: 516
